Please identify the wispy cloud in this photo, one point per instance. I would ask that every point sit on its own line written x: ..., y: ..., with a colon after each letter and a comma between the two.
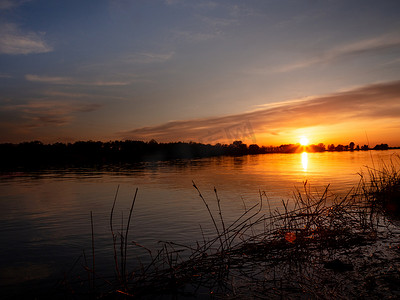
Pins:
x: 125, y: 65
x: 147, y: 57
x: 71, y: 81
x: 243, y: 10
x: 9, y: 4
x: 365, y: 46
x: 43, y: 113
x: 192, y: 36
x: 16, y: 41
x: 2, y: 75
x: 212, y: 25
x: 218, y: 25
x: 194, y: 4
x: 377, y: 101
x: 66, y: 94
x: 173, y: 2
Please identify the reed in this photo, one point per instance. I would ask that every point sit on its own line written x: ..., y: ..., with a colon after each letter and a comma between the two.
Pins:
x: 310, y: 248
x: 382, y: 189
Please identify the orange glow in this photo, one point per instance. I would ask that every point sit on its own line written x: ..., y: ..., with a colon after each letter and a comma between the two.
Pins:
x: 304, y: 141
x: 290, y: 237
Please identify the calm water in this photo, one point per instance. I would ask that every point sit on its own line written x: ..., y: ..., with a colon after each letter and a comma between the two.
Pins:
x: 45, y: 216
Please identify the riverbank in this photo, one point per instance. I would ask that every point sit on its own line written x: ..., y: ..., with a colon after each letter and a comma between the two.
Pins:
x: 319, y: 246
x: 36, y: 155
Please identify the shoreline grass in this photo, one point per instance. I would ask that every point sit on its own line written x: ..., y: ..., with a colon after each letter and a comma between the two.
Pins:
x: 320, y: 246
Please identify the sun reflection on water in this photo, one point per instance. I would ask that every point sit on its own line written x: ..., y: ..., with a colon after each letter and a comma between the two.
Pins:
x: 304, y: 160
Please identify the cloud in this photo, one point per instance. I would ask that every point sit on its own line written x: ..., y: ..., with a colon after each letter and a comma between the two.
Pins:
x: 148, y: 57
x: 125, y: 65
x: 218, y: 22
x: 15, y: 41
x: 71, y: 81
x: 44, y: 113
x: 173, y: 2
x: 365, y: 46
x: 193, y: 4
x: 48, y: 79
x: 9, y: 4
x: 376, y: 102
x: 62, y: 95
x: 57, y: 108
x: 2, y: 75
x: 193, y: 37
x: 212, y: 26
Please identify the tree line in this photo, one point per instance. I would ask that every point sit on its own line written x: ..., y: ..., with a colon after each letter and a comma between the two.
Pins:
x: 84, y: 153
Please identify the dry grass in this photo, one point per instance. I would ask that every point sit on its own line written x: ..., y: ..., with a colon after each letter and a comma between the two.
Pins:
x: 382, y: 189
x: 323, y: 246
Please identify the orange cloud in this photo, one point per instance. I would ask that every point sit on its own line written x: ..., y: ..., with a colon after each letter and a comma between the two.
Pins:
x: 378, y: 103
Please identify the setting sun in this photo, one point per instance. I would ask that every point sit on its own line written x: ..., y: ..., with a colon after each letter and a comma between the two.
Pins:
x: 304, y: 141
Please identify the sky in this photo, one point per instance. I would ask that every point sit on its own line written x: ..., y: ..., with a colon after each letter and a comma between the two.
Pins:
x: 261, y: 71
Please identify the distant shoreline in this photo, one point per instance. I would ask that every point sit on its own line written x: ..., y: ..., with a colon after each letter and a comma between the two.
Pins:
x: 90, y: 153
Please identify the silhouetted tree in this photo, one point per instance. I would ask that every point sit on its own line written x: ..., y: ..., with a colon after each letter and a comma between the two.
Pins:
x: 288, y: 148
x: 94, y: 153
x: 339, y: 147
x: 254, y: 149
x: 153, y: 142
x: 316, y: 148
x: 381, y: 147
x: 351, y: 145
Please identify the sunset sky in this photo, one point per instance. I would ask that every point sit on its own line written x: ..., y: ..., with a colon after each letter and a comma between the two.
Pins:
x: 263, y: 71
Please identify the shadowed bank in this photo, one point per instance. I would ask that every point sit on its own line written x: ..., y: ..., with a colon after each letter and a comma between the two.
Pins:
x: 90, y: 153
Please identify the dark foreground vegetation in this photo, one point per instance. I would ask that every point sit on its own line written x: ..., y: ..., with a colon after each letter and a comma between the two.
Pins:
x: 90, y: 153
x: 319, y: 246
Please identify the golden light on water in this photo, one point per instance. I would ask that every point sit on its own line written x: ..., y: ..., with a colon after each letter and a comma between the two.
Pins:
x: 304, y: 160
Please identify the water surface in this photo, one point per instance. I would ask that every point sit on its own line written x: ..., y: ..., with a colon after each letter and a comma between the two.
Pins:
x: 45, y: 216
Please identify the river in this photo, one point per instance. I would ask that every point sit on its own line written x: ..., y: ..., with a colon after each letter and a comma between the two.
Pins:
x: 45, y: 216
